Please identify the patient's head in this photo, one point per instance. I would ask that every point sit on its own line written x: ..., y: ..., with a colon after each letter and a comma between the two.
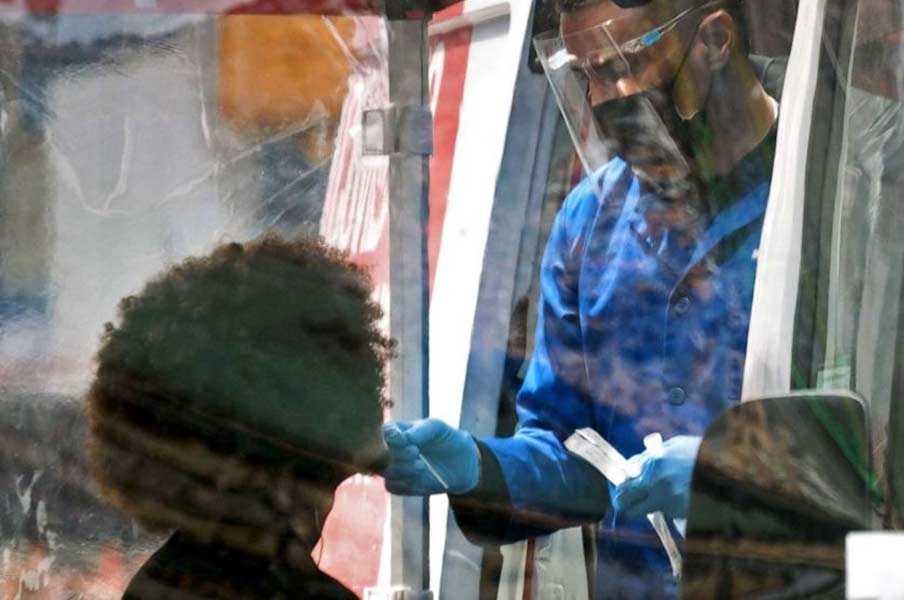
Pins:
x: 237, y: 391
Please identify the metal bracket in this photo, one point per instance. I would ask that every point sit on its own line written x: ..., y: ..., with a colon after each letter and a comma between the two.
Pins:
x: 398, y: 130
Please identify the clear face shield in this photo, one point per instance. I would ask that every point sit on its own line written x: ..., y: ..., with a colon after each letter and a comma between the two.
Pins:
x: 612, y: 82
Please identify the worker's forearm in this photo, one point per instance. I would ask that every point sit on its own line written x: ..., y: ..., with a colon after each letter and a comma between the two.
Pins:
x: 485, y: 513
x: 488, y: 514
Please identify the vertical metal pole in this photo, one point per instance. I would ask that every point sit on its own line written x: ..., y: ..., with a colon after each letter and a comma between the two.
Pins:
x: 408, y: 188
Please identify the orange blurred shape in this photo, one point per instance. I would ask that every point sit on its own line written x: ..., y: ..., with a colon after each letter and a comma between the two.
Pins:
x: 278, y: 73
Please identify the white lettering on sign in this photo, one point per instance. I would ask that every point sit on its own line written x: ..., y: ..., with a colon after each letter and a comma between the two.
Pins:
x: 356, y: 211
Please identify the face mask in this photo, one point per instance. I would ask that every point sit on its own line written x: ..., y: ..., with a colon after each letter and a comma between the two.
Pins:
x: 646, y: 131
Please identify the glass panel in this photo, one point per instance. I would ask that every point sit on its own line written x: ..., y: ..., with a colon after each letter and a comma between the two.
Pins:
x: 130, y: 142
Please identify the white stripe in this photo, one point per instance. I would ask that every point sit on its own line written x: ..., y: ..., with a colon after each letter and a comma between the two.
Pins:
x: 768, y: 367
x: 495, y: 55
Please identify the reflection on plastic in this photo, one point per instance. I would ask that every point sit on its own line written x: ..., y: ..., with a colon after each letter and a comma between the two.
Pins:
x: 775, y: 480
x: 132, y: 141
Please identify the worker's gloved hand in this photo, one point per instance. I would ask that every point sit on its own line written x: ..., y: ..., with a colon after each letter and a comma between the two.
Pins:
x: 429, y: 457
x: 664, y: 481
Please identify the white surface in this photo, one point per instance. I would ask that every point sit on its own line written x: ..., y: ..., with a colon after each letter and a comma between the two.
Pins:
x: 875, y: 566
x: 121, y: 208
x: 489, y: 88
x: 767, y: 370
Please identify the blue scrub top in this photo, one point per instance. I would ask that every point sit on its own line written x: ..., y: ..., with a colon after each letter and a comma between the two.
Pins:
x: 642, y: 329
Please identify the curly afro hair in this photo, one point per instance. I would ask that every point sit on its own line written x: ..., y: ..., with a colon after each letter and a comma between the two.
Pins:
x: 259, y: 367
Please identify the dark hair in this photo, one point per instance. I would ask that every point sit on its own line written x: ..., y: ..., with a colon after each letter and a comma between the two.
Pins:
x: 258, y: 367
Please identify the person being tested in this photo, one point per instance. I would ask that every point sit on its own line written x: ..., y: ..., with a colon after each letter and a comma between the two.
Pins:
x: 237, y: 391
x: 646, y: 288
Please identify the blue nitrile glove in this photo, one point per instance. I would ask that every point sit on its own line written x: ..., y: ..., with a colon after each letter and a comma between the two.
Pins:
x: 664, y: 482
x: 429, y: 457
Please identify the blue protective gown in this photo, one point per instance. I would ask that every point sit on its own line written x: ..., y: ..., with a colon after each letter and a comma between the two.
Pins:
x: 642, y: 328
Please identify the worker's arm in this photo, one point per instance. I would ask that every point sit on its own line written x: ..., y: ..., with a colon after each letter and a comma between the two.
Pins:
x: 505, y: 489
x: 530, y: 484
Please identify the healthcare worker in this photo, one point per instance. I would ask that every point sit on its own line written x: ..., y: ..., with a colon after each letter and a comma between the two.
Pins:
x: 646, y: 288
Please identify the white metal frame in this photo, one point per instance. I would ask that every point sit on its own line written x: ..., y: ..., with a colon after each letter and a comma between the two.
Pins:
x: 767, y: 370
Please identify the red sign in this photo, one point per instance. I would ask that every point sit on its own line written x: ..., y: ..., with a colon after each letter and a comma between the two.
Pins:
x: 356, y: 218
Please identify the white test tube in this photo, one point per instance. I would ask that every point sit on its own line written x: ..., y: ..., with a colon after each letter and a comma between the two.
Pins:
x: 654, y: 444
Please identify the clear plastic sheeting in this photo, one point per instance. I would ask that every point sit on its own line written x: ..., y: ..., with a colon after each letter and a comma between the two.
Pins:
x: 578, y: 248
x: 127, y: 143
x: 864, y: 300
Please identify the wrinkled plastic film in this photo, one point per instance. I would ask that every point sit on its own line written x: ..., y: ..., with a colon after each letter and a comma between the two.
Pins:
x: 129, y: 142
